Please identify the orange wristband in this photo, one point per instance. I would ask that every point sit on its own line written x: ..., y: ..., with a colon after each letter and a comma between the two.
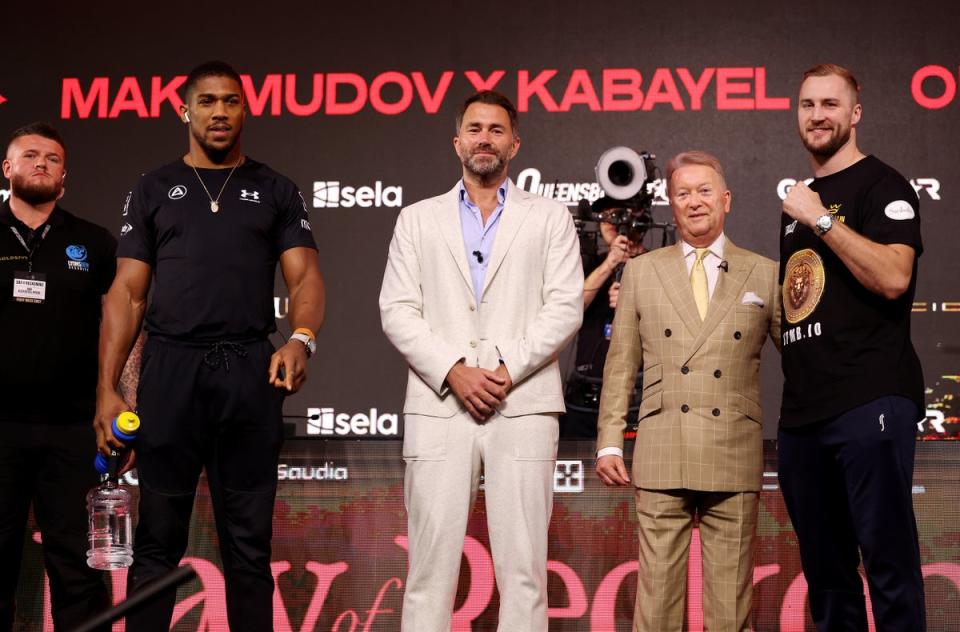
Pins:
x: 304, y: 330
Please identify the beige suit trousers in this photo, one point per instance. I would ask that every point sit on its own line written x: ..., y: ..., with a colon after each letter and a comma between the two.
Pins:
x: 728, y: 525
x: 444, y: 459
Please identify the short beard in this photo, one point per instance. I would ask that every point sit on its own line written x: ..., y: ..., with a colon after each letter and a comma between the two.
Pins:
x: 35, y: 194
x: 486, y: 168
x: 829, y: 148
x: 217, y: 155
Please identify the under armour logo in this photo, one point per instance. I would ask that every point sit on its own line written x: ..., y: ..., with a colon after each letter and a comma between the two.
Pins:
x: 249, y: 196
x: 881, y: 424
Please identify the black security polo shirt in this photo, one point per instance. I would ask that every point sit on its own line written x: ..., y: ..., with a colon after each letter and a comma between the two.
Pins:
x: 213, y: 272
x: 48, y: 367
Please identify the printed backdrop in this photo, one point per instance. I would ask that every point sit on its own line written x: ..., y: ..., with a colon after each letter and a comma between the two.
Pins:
x: 355, y: 101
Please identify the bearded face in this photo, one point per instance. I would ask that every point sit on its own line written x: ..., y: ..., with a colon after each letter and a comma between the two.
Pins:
x: 35, y: 191
x: 35, y: 166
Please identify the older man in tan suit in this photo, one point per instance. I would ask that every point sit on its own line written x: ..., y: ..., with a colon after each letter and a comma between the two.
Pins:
x: 483, y: 287
x: 695, y: 316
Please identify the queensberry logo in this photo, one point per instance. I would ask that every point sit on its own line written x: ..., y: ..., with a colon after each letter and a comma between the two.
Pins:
x: 78, y: 258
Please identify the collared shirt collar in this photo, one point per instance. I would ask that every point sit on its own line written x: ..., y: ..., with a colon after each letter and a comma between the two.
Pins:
x: 501, y: 193
x: 9, y: 219
x: 716, y: 248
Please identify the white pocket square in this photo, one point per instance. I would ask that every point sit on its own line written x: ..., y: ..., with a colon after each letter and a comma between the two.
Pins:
x: 751, y: 299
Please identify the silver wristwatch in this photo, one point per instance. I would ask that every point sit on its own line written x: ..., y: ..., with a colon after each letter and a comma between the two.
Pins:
x: 824, y: 224
x: 307, y: 341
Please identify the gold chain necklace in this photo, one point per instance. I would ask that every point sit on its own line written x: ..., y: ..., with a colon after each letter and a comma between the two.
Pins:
x: 215, y: 203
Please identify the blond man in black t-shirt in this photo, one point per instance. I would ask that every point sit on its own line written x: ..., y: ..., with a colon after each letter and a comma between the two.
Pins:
x: 853, y: 387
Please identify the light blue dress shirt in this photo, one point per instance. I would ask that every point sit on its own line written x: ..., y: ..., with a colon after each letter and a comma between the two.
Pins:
x: 477, y: 238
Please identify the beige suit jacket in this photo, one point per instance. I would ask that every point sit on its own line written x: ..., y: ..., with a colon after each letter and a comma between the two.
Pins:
x: 531, y: 305
x: 699, y: 420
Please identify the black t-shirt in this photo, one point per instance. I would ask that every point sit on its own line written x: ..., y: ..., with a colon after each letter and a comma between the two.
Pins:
x: 213, y: 273
x: 843, y: 345
x: 49, y: 368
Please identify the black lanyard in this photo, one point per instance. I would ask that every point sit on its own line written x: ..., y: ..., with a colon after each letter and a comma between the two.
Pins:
x: 31, y: 250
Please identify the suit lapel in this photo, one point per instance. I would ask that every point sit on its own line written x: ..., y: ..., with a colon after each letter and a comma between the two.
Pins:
x: 672, y: 271
x: 515, y: 211
x: 729, y: 286
x: 447, y: 213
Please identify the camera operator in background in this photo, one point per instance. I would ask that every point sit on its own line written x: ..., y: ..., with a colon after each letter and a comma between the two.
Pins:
x: 600, y: 290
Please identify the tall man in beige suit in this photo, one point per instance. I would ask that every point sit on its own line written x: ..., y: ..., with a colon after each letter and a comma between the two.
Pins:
x: 483, y: 287
x: 695, y: 316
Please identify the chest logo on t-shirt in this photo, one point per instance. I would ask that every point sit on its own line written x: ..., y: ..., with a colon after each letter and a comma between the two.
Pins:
x: 249, y: 196
x: 176, y: 192
x: 803, y: 284
x: 77, y: 258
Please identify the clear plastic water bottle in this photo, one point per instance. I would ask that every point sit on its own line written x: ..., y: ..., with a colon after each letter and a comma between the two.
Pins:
x: 109, y: 506
x: 110, y: 526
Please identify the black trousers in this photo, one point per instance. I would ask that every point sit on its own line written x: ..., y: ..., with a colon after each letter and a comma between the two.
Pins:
x: 207, y: 407
x: 51, y: 466
x: 847, y: 483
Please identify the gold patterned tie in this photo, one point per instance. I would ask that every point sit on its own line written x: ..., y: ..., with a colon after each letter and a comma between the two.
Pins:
x: 698, y: 281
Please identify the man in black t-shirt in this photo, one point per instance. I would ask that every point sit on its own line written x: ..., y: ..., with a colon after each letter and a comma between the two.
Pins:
x: 208, y: 230
x: 853, y: 386
x: 54, y: 270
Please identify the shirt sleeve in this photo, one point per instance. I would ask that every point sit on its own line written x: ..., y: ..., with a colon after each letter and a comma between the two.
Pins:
x: 293, y: 221
x: 136, y: 230
x: 892, y: 213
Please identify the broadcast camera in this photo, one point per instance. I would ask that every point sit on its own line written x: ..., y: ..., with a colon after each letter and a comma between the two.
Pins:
x: 624, y: 176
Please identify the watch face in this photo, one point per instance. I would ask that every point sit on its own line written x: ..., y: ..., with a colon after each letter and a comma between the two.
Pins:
x: 825, y: 223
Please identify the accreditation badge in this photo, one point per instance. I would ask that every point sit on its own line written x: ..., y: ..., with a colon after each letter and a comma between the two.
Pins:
x: 803, y: 283
x: 29, y: 287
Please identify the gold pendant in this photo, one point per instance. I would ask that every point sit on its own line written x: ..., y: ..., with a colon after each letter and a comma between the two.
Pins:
x: 214, y: 206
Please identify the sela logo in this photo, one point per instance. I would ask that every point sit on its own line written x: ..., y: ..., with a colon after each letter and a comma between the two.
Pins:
x: 177, y: 192
x: 326, y: 472
x: 329, y: 423
x: 249, y: 196
x: 126, y: 228
x: 568, y: 477
x: 126, y: 204
x: 305, y: 225
x: 330, y: 194
x: 570, y: 193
